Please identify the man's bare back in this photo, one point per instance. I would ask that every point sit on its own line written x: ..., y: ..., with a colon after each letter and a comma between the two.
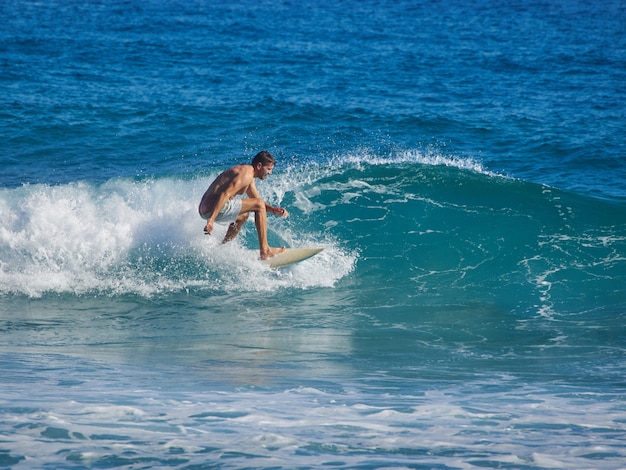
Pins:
x: 232, y: 182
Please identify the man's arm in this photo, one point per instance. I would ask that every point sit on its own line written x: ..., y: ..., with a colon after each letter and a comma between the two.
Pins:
x: 280, y: 211
x: 219, y: 204
x: 253, y: 192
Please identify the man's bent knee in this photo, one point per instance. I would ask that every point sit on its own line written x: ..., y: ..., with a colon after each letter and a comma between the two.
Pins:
x: 253, y: 205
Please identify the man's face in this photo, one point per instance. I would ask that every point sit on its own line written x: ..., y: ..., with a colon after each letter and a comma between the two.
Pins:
x: 266, y: 170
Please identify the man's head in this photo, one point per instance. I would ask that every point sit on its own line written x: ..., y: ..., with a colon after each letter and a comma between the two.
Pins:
x: 263, y: 164
x: 264, y: 158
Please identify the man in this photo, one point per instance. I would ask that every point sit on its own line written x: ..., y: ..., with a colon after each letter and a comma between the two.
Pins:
x: 221, y: 204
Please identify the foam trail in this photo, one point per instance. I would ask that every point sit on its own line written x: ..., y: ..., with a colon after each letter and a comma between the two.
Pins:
x: 413, y: 156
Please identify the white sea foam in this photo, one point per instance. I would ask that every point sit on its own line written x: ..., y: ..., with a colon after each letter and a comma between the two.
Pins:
x: 413, y: 156
x: 455, y: 427
x: 142, y: 237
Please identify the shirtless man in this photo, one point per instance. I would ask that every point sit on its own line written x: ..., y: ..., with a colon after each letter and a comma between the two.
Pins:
x: 220, y: 204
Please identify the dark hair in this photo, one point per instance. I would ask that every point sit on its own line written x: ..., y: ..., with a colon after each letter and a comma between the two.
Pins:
x: 264, y: 158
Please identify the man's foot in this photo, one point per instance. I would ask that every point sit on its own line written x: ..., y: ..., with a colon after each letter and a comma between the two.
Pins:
x: 272, y: 252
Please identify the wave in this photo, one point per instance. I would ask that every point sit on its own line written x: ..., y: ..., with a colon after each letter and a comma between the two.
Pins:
x: 451, y: 232
x: 425, y: 224
x: 139, y: 237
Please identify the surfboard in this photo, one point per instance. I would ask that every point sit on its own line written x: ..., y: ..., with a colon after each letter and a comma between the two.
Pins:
x: 291, y: 256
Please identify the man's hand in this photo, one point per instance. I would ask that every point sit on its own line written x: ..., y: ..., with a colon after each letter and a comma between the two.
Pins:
x: 281, y: 211
x: 208, y: 228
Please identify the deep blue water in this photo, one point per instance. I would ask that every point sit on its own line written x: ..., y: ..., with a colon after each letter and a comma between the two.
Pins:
x: 461, y: 163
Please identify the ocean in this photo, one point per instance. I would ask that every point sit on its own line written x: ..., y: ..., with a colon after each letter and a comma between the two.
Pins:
x: 462, y: 163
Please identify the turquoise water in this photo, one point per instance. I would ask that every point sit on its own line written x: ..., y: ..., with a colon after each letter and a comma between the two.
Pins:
x: 460, y: 164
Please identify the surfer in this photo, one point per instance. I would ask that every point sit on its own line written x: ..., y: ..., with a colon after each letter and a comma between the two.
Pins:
x: 220, y: 202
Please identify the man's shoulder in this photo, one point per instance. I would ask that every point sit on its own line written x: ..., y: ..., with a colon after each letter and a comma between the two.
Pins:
x: 243, y: 168
x: 241, y: 174
x: 243, y: 171
x: 237, y: 171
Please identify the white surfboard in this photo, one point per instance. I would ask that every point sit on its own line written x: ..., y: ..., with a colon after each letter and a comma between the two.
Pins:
x: 291, y: 256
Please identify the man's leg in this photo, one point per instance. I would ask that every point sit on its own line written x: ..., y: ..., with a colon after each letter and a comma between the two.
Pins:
x: 233, y: 229
x: 256, y: 205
